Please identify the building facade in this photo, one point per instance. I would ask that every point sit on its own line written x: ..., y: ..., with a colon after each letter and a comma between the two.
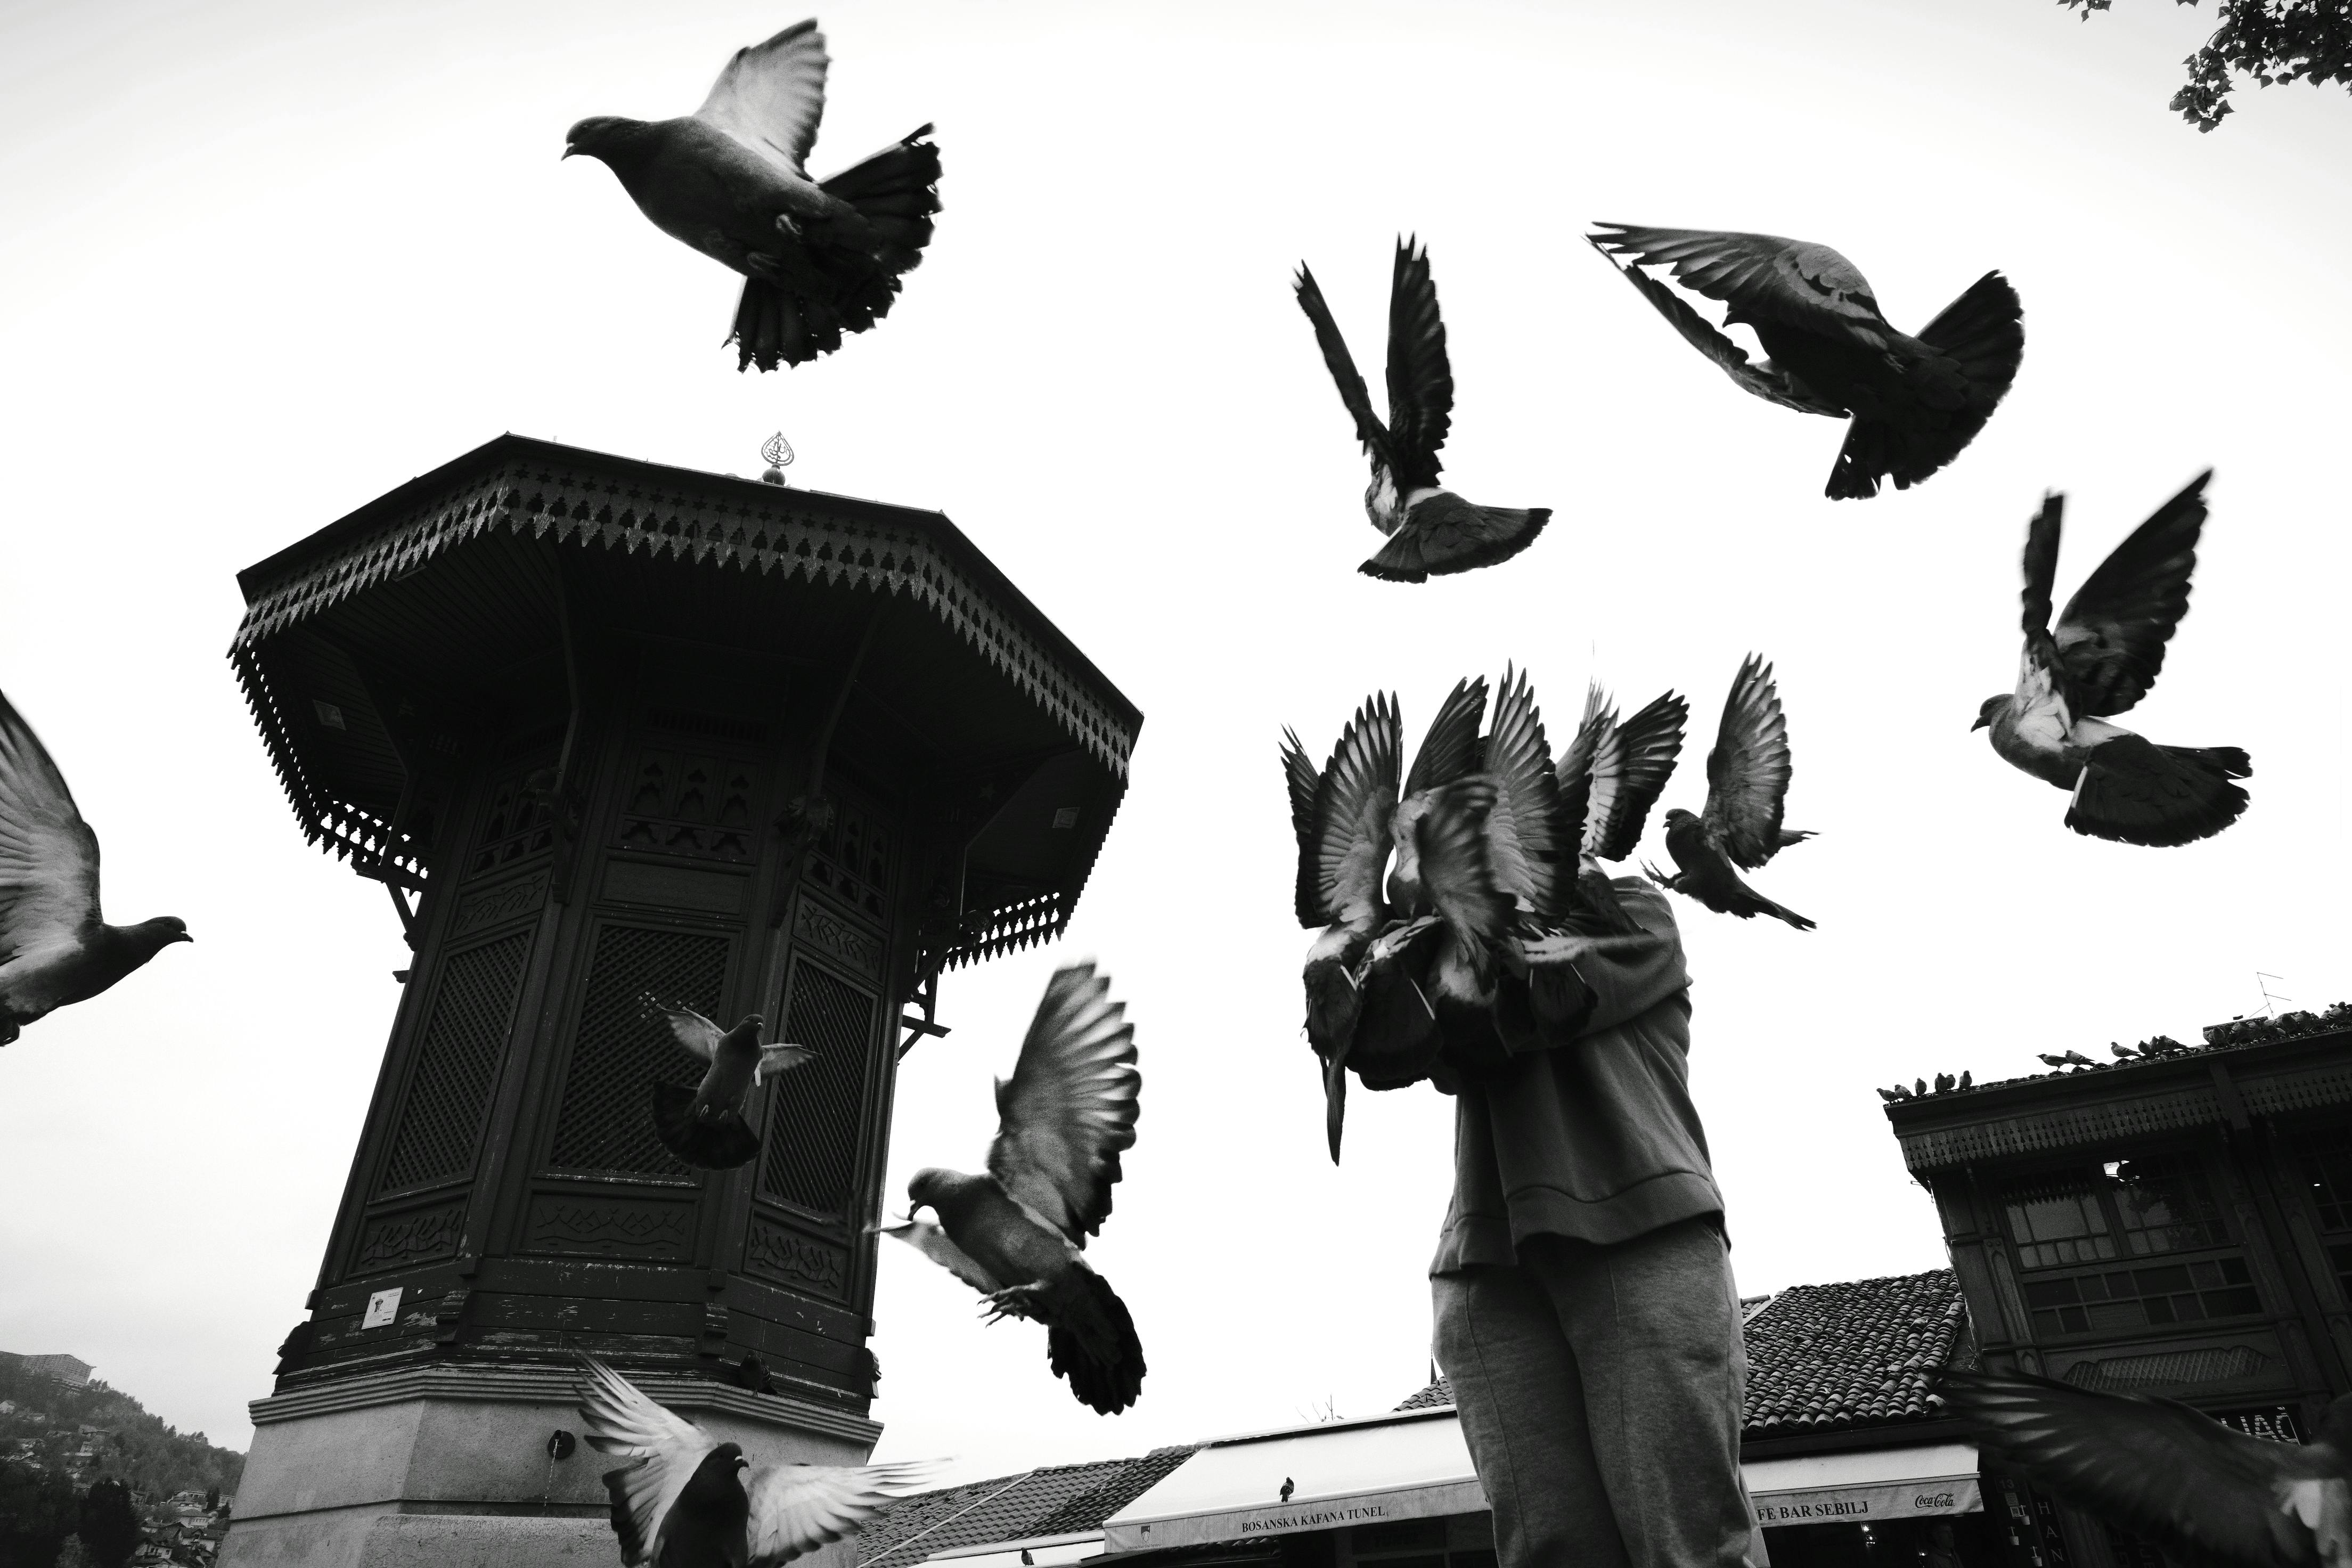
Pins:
x: 2178, y: 1222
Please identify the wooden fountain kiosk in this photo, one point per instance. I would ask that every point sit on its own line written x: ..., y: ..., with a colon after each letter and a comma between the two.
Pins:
x: 602, y: 727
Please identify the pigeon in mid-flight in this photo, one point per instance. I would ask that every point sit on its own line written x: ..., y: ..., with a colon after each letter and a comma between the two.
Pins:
x: 1915, y: 402
x: 1611, y: 774
x: 1018, y: 1234
x: 1431, y: 532
x: 686, y: 1500
x: 2169, y: 1472
x: 1747, y: 782
x: 56, y: 949
x: 2099, y: 661
x: 819, y: 259
x: 704, y: 1126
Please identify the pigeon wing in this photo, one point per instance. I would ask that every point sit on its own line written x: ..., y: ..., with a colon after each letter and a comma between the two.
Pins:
x: 1341, y: 364
x: 1636, y: 759
x: 771, y: 95
x: 687, y: 1026
x: 1526, y: 839
x: 778, y: 1060
x: 1353, y: 804
x: 1070, y: 1105
x: 1575, y: 766
x: 2151, y: 1465
x: 1450, y: 750
x: 2111, y: 637
x: 2039, y: 669
x: 1456, y: 871
x: 932, y: 1242
x: 48, y: 856
x: 1421, y: 380
x: 1306, y: 783
x: 1747, y: 771
x: 1760, y: 276
x: 666, y: 1450
x: 795, y: 1509
x: 1764, y: 380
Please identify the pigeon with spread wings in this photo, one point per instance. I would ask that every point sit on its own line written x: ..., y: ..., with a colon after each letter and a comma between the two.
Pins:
x: 56, y: 949
x: 1915, y: 402
x: 1364, y: 883
x: 2170, y: 1472
x: 1018, y: 1233
x: 819, y: 260
x: 705, y: 1126
x: 1432, y: 531
x: 1747, y: 782
x: 685, y: 1500
x: 2099, y: 661
x: 1611, y: 774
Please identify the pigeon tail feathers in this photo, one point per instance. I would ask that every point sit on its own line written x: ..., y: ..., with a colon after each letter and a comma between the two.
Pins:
x: 719, y: 1145
x: 1442, y: 534
x: 1096, y: 1324
x: 2133, y: 791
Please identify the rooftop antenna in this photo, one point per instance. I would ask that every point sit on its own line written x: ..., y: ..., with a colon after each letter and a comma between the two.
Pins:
x: 779, y: 453
x: 2269, y: 995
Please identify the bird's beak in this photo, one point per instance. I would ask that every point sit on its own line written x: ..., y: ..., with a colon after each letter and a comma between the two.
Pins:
x: 568, y: 150
x: 183, y: 936
x: 1980, y: 723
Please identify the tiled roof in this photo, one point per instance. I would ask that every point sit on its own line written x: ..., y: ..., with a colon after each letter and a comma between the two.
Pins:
x: 2236, y: 1035
x: 1089, y: 1509
x: 1828, y: 1357
x: 1057, y: 1500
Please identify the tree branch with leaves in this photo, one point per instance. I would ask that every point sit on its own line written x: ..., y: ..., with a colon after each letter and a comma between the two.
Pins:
x: 2273, y: 41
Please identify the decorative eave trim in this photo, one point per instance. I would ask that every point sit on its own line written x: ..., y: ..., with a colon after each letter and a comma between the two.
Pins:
x: 721, y: 522
x: 549, y: 1385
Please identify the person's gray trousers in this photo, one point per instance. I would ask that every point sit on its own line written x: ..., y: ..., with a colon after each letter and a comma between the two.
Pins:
x: 1599, y: 1389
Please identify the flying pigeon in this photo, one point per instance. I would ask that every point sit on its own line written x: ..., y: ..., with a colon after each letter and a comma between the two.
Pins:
x: 705, y: 1126
x: 1747, y: 781
x: 1432, y: 531
x: 686, y: 1500
x: 2099, y: 661
x: 2169, y: 1472
x: 818, y: 260
x: 1017, y: 1234
x: 1611, y: 774
x: 1915, y: 402
x: 1367, y: 1003
x: 55, y: 947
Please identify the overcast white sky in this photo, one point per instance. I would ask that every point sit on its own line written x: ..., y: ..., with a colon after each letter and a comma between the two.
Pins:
x: 264, y: 260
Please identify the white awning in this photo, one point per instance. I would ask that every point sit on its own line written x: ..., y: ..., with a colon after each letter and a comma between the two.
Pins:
x: 1865, y: 1486
x: 1410, y: 1465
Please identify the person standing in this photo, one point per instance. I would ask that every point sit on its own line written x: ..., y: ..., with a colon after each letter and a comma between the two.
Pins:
x: 1582, y: 1291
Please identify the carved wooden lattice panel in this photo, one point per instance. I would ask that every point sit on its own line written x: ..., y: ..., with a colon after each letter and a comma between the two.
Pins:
x: 818, y: 1110
x: 698, y: 806
x: 516, y: 825
x: 851, y: 860
x: 606, y: 1120
x: 448, y: 1091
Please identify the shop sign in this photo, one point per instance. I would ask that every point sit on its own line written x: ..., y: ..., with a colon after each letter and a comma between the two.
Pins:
x: 1869, y: 1505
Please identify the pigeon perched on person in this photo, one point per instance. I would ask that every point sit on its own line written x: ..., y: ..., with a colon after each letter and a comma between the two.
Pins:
x: 819, y: 260
x: 2167, y: 1471
x: 686, y: 1500
x: 1915, y: 402
x: 56, y: 949
x: 1432, y: 531
x: 705, y: 1126
x: 1747, y: 783
x: 1366, y: 974
x: 2099, y: 661
x: 1017, y: 1234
